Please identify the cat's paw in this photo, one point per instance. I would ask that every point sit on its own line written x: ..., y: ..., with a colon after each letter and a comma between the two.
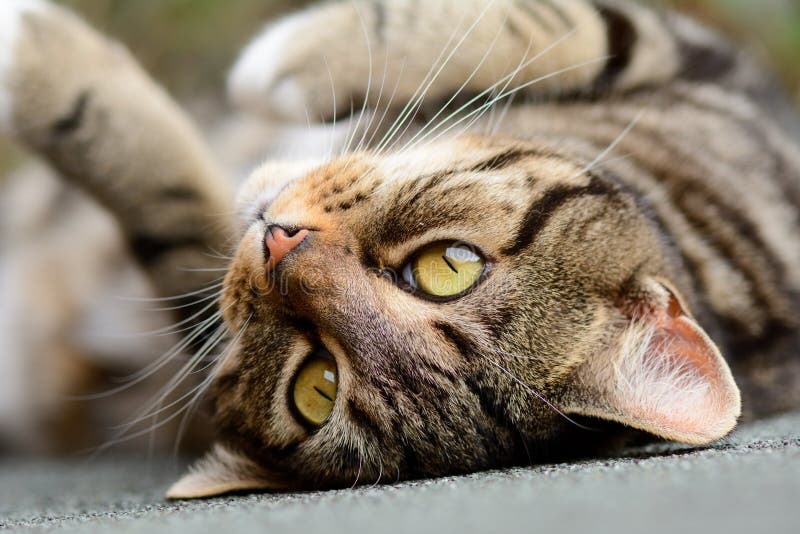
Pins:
x: 333, y: 59
x: 12, y: 26
x: 50, y: 60
x: 294, y: 69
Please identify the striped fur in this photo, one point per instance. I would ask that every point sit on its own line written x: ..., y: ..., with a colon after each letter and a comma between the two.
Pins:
x: 636, y: 201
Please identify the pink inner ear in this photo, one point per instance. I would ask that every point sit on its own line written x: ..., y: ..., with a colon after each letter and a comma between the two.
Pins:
x: 663, y: 375
x: 680, y: 388
x: 686, y: 346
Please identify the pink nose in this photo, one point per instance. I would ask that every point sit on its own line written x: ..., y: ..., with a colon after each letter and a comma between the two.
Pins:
x: 280, y: 243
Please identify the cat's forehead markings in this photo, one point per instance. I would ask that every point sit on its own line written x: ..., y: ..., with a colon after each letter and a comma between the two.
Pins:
x: 420, y: 161
x: 456, y: 157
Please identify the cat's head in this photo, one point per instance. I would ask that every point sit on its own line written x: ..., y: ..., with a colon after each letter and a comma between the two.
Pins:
x: 445, y: 310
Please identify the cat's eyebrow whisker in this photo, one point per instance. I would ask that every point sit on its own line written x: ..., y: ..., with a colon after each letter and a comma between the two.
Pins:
x: 505, y: 81
x: 466, y: 82
x: 485, y: 107
x: 356, y: 127
x: 376, y: 128
x: 418, y: 96
x: 411, y: 101
x: 533, y: 392
x: 334, y: 113
x: 375, y: 110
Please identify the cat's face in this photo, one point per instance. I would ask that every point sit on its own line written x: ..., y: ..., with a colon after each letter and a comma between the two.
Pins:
x: 442, y: 311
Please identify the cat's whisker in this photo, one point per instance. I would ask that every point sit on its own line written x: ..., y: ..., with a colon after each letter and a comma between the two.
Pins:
x: 376, y: 127
x: 190, y: 304
x: 533, y: 392
x: 358, y: 474
x: 416, y: 100
x: 197, y: 334
x: 160, y: 407
x: 216, y: 285
x: 156, y: 406
x: 610, y: 148
x: 174, y: 328
x: 380, y: 472
x: 136, y: 378
x: 501, y: 352
x: 217, y: 338
x: 177, y: 349
x: 202, y: 269
x: 411, y: 101
x: 466, y: 82
x: 367, y: 94
x: 496, y: 125
x: 334, y: 112
x: 376, y: 108
x: 217, y: 255
x: 524, y: 63
x: 484, y: 108
x: 124, y: 434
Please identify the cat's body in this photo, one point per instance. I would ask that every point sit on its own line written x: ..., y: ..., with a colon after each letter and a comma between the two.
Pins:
x: 637, y: 200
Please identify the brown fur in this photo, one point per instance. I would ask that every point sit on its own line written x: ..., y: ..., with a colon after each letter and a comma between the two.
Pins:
x: 606, y: 277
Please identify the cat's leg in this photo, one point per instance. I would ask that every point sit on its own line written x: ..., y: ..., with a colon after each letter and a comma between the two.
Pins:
x: 323, y: 62
x: 81, y: 101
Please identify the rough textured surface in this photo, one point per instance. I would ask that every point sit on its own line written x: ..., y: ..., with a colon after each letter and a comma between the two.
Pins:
x: 750, y: 483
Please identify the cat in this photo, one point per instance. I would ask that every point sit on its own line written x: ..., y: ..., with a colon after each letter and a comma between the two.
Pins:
x: 554, y: 228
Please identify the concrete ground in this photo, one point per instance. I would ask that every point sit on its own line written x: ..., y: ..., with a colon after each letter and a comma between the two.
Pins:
x: 750, y: 483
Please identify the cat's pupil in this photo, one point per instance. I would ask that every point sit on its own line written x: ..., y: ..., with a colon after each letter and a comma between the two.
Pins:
x: 315, y: 388
x: 444, y: 269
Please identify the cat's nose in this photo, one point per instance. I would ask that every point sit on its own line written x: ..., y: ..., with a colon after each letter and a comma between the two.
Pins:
x: 280, y: 241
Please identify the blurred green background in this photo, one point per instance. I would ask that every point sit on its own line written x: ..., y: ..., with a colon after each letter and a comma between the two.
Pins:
x: 189, y: 45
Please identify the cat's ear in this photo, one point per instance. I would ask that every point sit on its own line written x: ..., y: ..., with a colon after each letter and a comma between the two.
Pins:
x: 660, y: 373
x: 221, y: 471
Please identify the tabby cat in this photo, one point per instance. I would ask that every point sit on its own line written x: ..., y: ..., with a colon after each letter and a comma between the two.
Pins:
x: 553, y: 227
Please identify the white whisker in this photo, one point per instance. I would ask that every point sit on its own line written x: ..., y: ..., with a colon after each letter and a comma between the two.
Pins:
x: 418, y: 96
x: 610, y: 148
x: 533, y: 392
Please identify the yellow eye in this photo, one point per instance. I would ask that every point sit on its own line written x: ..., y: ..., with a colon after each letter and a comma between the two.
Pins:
x: 314, y: 389
x: 444, y: 269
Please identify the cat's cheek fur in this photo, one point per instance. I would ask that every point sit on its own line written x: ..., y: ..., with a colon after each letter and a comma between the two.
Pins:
x: 663, y: 375
x: 222, y: 471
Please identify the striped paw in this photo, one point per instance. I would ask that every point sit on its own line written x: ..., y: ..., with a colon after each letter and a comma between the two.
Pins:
x: 331, y: 60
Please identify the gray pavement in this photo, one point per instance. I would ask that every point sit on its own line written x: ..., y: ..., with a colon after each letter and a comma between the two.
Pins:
x: 750, y: 483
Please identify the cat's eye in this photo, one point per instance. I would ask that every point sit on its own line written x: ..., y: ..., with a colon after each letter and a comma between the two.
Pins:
x: 314, y: 389
x: 444, y: 269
